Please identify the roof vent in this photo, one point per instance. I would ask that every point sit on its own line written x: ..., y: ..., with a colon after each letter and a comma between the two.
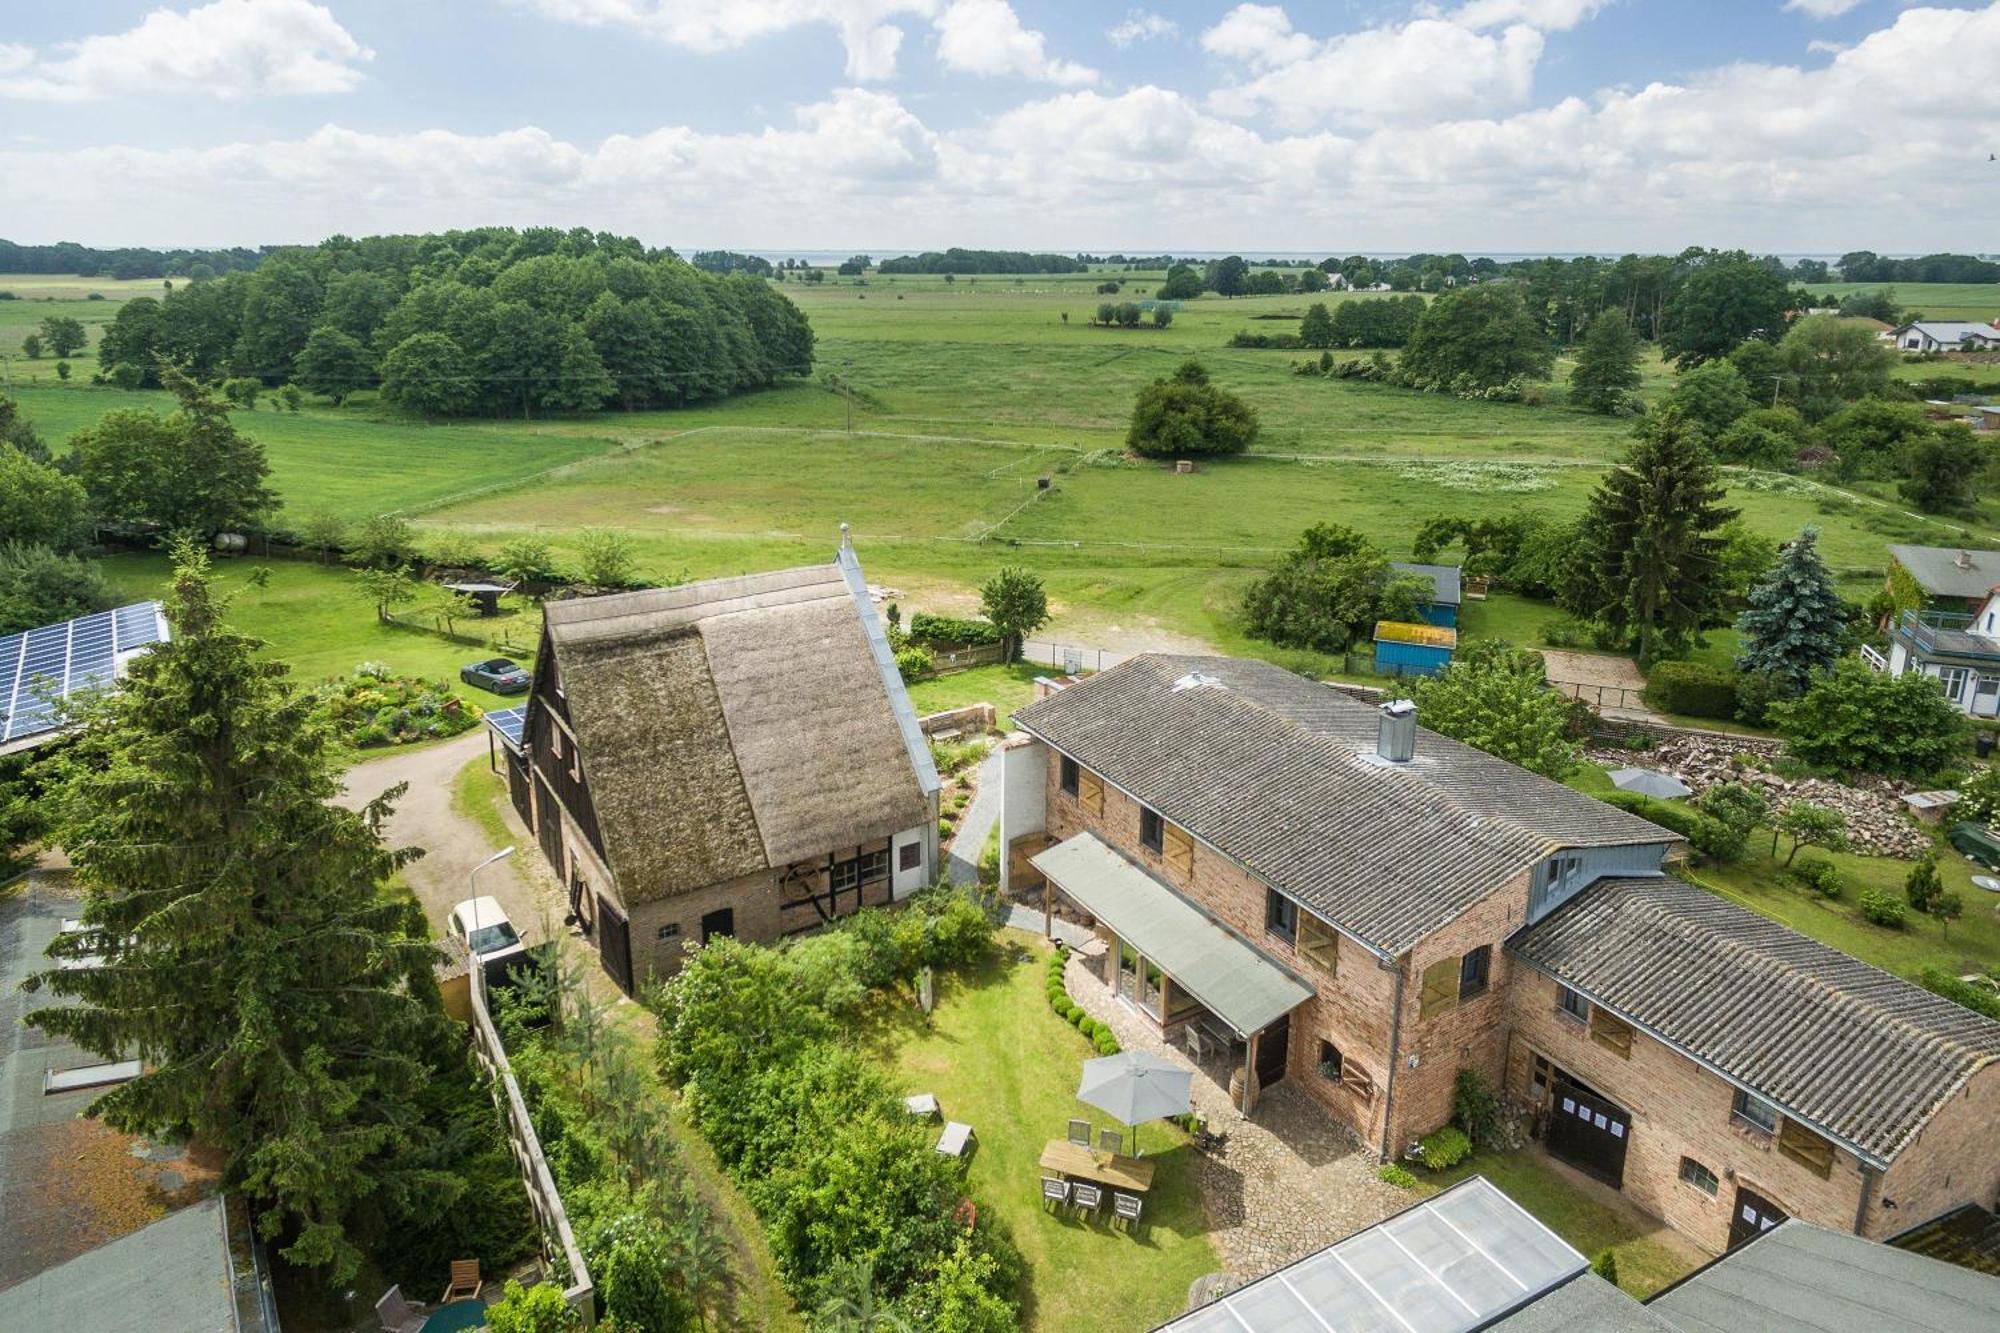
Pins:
x: 1196, y: 680
x: 1963, y: 560
x: 1396, y: 736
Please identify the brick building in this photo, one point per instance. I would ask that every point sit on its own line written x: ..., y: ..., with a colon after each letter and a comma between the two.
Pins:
x: 1298, y: 885
x: 732, y: 757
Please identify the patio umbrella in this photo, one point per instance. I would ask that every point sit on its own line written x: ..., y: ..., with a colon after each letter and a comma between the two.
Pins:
x: 1649, y: 782
x: 1134, y: 1087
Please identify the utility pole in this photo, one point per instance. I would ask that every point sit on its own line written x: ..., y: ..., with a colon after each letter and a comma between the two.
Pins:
x: 847, y: 393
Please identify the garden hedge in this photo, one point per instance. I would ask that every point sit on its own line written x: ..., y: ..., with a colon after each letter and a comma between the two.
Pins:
x: 1692, y: 690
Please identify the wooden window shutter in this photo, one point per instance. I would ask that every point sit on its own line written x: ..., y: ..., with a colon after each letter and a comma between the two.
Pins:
x: 1440, y: 988
x: 1090, y: 792
x: 1806, y: 1148
x: 1357, y: 1080
x: 1613, y: 1034
x: 1319, y: 944
x: 1177, y: 849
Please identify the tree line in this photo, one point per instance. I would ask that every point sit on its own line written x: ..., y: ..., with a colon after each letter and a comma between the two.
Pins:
x: 488, y: 322
x: 126, y: 261
x: 956, y: 260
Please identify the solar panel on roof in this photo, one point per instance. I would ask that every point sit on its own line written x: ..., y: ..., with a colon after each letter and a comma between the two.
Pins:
x: 1448, y: 1265
x: 42, y: 667
x: 509, y: 722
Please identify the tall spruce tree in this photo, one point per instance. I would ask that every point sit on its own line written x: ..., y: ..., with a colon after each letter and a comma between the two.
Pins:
x: 237, y: 937
x: 1796, y: 623
x: 1655, y: 571
x: 1607, y: 365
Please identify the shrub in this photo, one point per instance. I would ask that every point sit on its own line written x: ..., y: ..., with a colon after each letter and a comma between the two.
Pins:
x: 1692, y: 690
x: 914, y: 663
x: 1979, y: 999
x: 951, y: 631
x: 1444, y: 1148
x: 1474, y: 1107
x: 1077, y: 1017
x: 1852, y: 718
x: 1107, y: 1044
x: 1674, y: 818
x: 1605, y: 1265
x: 1088, y: 1027
x: 537, y: 1309
x: 1390, y: 1173
x: 1882, y: 910
x: 1821, y: 876
x: 374, y: 709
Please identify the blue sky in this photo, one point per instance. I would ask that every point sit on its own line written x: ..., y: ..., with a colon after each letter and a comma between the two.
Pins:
x: 1792, y: 125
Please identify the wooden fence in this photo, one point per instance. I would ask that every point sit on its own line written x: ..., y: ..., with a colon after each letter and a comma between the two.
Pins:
x: 558, y: 1241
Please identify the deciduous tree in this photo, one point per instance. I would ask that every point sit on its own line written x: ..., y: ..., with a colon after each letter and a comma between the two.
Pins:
x: 1494, y: 697
x: 1727, y: 298
x: 334, y: 363
x: 1183, y: 415
x: 1857, y: 720
x: 1478, y: 336
x: 1016, y: 604
x: 63, y: 335
x: 189, y: 471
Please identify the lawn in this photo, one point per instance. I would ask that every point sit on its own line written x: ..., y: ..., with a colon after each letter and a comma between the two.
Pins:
x: 1006, y: 687
x: 1000, y: 1060
x: 1649, y: 1254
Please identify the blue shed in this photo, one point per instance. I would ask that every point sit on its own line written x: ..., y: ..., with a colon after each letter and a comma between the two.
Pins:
x: 1447, y: 591
x: 1407, y: 649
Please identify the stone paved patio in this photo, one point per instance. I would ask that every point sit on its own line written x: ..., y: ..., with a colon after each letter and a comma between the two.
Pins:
x: 1288, y: 1182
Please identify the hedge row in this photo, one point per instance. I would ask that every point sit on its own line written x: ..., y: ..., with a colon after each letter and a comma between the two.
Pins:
x: 951, y: 630
x: 1692, y: 690
x: 1096, y: 1033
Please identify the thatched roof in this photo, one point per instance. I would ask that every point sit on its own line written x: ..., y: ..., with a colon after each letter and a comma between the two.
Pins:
x: 737, y: 725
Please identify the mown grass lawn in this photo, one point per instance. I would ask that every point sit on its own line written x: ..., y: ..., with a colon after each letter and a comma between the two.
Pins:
x: 1650, y: 1254
x: 998, y: 1059
x: 1007, y: 686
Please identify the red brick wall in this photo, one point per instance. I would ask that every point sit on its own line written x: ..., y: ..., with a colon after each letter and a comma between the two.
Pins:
x: 1951, y: 1161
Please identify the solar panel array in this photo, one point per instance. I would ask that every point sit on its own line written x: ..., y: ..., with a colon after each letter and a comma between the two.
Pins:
x: 508, y: 722
x: 1450, y: 1264
x: 44, y: 666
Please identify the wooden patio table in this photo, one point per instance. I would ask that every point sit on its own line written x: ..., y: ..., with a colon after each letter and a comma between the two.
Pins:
x: 1132, y: 1174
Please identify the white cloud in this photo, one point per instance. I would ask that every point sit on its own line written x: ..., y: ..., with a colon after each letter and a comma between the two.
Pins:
x: 230, y: 48
x: 719, y: 25
x: 986, y: 37
x: 1826, y: 48
x: 1545, y: 15
x: 1823, y: 9
x: 1257, y: 35
x: 1142, y: 25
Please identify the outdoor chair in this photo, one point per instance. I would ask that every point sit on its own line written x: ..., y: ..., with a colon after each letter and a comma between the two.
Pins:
x: 464, y: 1281
x: 398, y: 1315
x: 1055, y: 1190
x: 1196, y: 1042
x: 1086, y: 1198
x: 1079, y: 1133
x: 1125, y: 1208
x: 1111, y: 1141
x: 956, y: 1140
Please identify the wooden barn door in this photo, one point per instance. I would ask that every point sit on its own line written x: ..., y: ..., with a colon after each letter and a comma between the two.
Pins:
x: 1589, y: 1131
x: 614, y: 943
x: 1754, y: 1215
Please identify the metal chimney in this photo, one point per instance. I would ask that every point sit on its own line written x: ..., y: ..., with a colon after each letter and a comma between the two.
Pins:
x: 1396, y: 736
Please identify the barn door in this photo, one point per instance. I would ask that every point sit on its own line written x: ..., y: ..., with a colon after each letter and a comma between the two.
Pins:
x: 614, y: 943
x: 1754, y: 1215
x: 1273, y: 1045
x: 1589, y: 1131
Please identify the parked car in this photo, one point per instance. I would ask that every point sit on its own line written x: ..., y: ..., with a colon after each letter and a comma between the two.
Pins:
x: 502, y: 675
x: 482, y: 925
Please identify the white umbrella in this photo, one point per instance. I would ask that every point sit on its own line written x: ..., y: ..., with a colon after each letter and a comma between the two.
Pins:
x: 1648, y: 782
x: 1135, y: 1087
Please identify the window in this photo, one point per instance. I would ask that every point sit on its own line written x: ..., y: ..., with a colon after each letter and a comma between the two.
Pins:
x: 863, y: 869
x: 1953, y: 680
x: 1754, y: 1110
x: 1612, y: 1033
x: 910, y: 856
x: 1319, y: 944
x: 1806, y: 1148
x: 1152, y: 830
x: 1569, y: 1002
x: 1472, y: 972
x: 1281, y: 915
x: 1329, y: 1062
x: 1070, y: 770
x: 670, y: 931
x: 1699, y: 1176
x: 1179, y: 852
x: 1542, y: 1076
x: 1440, y: 988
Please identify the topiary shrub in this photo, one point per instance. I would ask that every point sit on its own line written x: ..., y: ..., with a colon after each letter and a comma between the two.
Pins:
x: 1077, y: 1018
x: 1391, y: 1173
x: 1444, y: 1148
x: 1692, y: 690
x: 1106, y: 1043
x: 1088, y: 1027
x: 1882, y: 909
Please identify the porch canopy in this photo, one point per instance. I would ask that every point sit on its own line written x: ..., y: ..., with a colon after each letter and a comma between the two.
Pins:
x: 1225, y: 975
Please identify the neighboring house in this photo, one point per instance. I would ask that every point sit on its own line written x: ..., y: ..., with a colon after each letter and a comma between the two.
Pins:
x: 1471, y: 1258
x: 1343, y: 899
x: 1447, y: 591
x: 1954, y: 638
x: 733, y: 757
x: 40, y: 668
x: 1947, y: 336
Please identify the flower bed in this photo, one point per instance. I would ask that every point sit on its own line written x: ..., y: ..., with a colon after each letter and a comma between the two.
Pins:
x: 373, y: 708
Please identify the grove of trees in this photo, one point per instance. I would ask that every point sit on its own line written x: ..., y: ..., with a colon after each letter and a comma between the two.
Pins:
x: 1183, y: 415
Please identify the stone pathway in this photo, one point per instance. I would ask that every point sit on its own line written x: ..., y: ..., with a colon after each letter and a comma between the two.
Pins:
x: 962, y: 863
x: 1023, y: 917
x: 1286, y: 1183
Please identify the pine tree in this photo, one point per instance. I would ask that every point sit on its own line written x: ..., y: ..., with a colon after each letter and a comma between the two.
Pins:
x: 1655, y: 568
x: 1796, y: 624
x: 1607, y: 365
x: 1923, y: 885
x: 246, y: 949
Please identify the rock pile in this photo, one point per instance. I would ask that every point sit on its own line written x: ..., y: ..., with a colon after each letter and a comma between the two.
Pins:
x: 1877, y: 823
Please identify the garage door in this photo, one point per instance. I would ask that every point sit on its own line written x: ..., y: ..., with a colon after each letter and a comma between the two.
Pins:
x: 1588, y: 1131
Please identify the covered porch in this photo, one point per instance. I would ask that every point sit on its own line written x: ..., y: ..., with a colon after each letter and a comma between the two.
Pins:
x: 1199, y: 984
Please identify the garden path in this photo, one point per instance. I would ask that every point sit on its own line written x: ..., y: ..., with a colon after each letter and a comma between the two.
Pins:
x: 962, y: 863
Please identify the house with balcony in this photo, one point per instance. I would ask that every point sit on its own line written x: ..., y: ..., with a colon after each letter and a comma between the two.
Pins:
x: 1960, y: 651
x: 1300, y: 888
x: 732, y: 757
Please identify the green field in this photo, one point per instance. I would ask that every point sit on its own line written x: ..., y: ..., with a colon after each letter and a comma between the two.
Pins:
x: 1936, y: 300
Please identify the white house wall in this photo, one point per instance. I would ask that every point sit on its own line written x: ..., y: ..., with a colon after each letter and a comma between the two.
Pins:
x: 1024, y: 777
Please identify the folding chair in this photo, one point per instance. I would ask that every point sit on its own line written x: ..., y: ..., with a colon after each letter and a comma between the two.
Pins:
x: 1125, y: 1208
x: 1079, y: 1133
x: 1086, y: 1198
x: 397, y: 1314
x: 1111, y: 1141
x: 464, y: 1281
x: 1055, y: 1190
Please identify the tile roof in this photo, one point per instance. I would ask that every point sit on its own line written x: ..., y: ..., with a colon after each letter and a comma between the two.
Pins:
x: 737, y: 725
x: 1847, y: 1049
x: 1279, y: 773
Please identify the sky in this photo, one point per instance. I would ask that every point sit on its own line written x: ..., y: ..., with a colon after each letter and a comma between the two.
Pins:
x: 1794, y: 126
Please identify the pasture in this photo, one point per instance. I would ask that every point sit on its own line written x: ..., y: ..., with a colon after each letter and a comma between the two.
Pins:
x: 1936, y: 300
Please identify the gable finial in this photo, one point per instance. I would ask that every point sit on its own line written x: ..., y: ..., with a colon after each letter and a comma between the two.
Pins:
x: 846, y: 538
